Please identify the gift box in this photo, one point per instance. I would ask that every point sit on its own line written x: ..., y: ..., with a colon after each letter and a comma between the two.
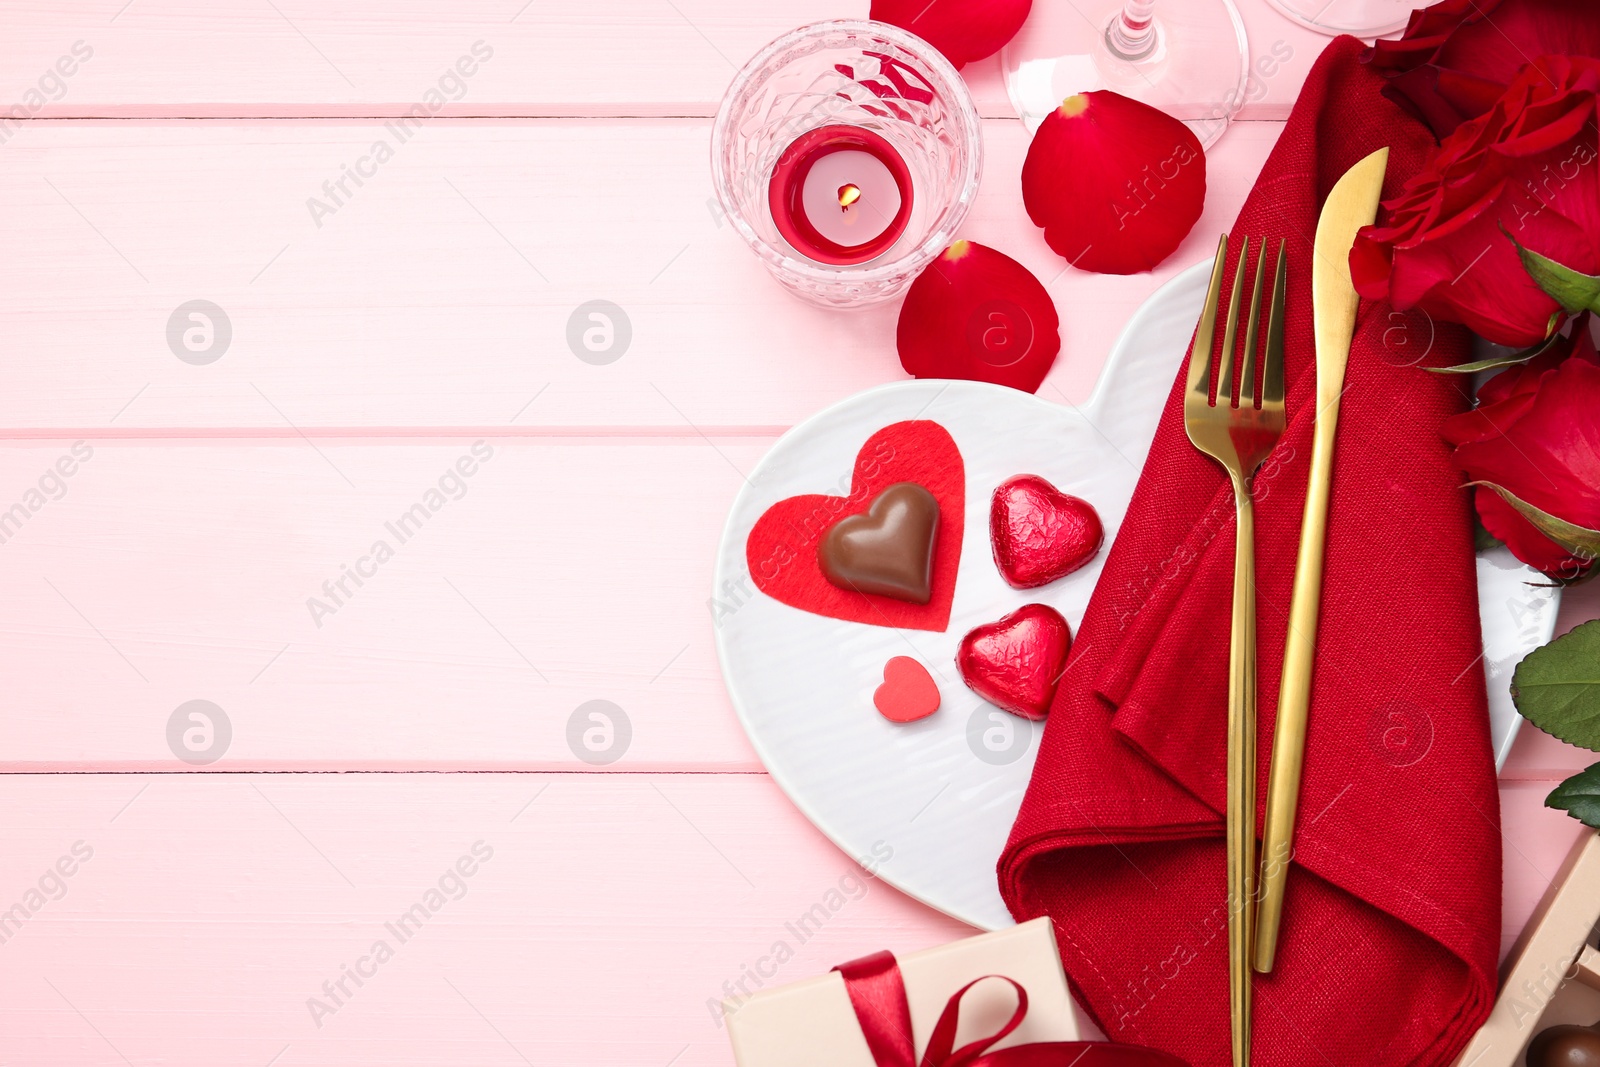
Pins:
x: 1553, y: 973
x: 814, y: 1021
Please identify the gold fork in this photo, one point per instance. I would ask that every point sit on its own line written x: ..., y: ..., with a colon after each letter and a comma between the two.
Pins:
x: 1238, y: 431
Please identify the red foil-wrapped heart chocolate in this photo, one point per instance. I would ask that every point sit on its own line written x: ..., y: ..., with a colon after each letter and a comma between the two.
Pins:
x: 1016, y: 663
x: 1039, y: 533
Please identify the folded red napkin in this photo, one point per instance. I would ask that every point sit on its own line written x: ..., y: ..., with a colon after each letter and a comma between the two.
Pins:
x: 1392, y: 916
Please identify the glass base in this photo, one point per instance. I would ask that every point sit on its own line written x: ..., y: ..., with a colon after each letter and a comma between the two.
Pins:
x: 1195, y: 67
x: 1359, y: 18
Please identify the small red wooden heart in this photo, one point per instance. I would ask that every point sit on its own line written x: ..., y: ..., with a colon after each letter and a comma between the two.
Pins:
x: 908, y: 692
x: 1016, y: 663
x: 1039, y: 533
x: 781, y: 550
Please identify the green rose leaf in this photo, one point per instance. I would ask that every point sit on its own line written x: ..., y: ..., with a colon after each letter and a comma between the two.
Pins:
x: 1557, y: 687
x: 1579, y: 796
x: 1494, y: 362
x: 1575, y: 292
x: 1581, y: 541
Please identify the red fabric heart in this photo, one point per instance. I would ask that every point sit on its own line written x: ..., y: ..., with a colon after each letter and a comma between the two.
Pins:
x: 781, y: 550
x: 908, y: 692
x: 1015, y: 663
x: 1039, y: 533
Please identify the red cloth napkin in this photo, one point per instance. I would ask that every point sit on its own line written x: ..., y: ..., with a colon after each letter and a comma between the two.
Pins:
x: 1392, y: 917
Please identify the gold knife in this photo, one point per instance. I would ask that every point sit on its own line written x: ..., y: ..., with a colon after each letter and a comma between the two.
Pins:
x: 1352, y: 204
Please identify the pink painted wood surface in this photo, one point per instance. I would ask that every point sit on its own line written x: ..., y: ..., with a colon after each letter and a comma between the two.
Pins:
x: 369, y: 354
x: 561, y: 571
x: 176, y: 570
x: 294, y: 58
x: 439, y: 295
x: 612, y: 909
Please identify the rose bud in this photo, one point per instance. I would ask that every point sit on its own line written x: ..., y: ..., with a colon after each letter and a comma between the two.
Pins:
x: 1533, y: 439
x: 1456, y: 57
x: 1524, y: 173
x: 977, y: 314
x: 963, y: 30
x: 1115, y: 184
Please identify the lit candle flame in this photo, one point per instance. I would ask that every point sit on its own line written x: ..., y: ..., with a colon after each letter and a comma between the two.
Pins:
x: 848, y: 194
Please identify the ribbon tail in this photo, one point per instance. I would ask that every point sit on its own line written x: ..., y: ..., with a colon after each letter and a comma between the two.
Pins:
x: 878, y: 995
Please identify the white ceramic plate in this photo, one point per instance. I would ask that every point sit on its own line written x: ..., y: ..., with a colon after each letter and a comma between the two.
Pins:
x: 930, y: 804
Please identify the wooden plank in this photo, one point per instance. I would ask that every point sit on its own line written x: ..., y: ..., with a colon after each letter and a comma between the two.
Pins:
x: 494, y: 603
x: 438, y: 294
x: 609, y: 911
x: 612, y: 909
x: 294, y: 58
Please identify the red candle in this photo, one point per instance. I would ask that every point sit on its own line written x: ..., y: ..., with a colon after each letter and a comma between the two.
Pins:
x: 840, y: 195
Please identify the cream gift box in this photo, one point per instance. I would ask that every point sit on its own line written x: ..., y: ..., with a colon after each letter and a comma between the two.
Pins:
x: 1553, y: 973
x: 811, y: 1022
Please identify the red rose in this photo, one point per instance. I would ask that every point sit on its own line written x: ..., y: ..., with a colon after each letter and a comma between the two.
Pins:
x: 1535, y: 435
x: 1457, y: 57
x: 1527, y: 169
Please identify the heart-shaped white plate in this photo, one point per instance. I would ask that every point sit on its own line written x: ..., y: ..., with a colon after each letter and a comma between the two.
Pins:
x: 929, y: 805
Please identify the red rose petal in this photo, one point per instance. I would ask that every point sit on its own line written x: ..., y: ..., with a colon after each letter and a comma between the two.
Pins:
x: 963, y: 30
x: 979, y: 315
x: 1115, y: 184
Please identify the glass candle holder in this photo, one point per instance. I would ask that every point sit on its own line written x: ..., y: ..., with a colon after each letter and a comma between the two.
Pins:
x: 846, y: 154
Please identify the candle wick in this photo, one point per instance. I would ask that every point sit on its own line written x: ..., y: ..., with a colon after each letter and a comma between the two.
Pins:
x: 848, y: 194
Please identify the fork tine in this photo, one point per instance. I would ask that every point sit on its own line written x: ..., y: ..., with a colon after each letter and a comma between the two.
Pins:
x: 1247, y: 370
x: 1230, y: 333
x: 1205, y: 332
x: 1272, y: 359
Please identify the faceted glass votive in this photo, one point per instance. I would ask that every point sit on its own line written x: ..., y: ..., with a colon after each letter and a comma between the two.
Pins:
x: 877, y: 78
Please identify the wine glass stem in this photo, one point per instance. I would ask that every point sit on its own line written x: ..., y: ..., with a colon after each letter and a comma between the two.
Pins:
x: 1132, y: 32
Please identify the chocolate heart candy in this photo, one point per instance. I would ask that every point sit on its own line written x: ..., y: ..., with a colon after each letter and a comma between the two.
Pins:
x: 1039, y: 533
x: 888, y: 550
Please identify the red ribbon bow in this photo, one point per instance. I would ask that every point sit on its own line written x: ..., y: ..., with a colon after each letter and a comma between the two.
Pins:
x: 878, y: 995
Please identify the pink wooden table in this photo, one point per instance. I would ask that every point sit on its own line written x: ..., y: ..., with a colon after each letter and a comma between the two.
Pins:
x: 165, y: 151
